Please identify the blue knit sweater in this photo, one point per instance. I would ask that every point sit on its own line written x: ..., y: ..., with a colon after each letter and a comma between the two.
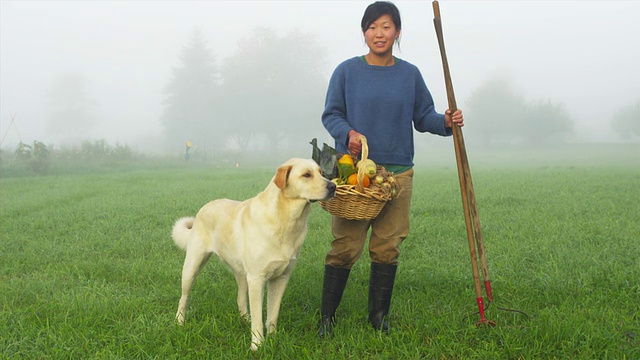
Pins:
x: 384, y: 103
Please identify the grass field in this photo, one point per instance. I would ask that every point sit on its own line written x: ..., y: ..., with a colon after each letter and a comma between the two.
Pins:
x: 88, y: 268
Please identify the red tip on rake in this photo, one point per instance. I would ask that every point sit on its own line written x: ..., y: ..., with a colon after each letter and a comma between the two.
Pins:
x: 483, y: 320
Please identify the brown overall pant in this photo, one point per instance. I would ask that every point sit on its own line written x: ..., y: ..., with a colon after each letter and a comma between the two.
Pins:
x: 388, y: 230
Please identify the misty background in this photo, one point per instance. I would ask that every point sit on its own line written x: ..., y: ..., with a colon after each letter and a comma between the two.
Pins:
x: 249, y: 77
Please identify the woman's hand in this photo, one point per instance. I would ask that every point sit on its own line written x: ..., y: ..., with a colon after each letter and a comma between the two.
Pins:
x: 455, y: 118
x: 355, y: 146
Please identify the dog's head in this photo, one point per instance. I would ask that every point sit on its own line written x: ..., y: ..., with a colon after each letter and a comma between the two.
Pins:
x: 302, y: 179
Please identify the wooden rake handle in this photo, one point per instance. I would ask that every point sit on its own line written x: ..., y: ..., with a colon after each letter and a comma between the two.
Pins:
x: 472, y: 220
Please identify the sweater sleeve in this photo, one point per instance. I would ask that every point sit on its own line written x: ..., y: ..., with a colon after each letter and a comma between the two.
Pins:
x: 426, y: 118
x: 335, y: 109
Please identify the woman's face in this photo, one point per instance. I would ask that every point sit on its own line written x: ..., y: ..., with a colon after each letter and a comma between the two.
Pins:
x: 381, y: 35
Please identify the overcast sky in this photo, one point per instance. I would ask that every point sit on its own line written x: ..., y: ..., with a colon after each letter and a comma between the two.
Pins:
x: 584, y: 54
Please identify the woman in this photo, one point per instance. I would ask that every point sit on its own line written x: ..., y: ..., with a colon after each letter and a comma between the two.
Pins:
x: 383, y: 98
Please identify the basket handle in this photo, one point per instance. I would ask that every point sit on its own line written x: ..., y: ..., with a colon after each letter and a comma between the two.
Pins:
x: 364, y: 155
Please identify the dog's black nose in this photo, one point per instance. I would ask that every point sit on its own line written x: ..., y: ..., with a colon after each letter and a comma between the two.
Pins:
x: 331, y: 186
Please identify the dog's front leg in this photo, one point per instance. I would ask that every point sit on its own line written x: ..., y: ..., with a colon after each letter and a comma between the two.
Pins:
x: 241, y: 280
x: 256, y: 293
x: 275, y: 291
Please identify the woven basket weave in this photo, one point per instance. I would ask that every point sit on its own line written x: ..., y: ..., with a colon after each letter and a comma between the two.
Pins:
x: 356, y: 202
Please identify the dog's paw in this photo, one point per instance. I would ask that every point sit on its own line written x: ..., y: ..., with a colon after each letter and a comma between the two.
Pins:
x: 245, y: 317
x: 180, y: 319
x: 256, y: 340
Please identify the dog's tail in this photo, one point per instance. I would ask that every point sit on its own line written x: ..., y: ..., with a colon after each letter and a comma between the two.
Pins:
x: 181, y: 231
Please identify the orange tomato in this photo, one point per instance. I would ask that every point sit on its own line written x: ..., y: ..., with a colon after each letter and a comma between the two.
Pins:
x: 353, y: 180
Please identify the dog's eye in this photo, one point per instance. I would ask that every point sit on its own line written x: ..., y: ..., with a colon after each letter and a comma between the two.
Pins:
x: 307, y: 175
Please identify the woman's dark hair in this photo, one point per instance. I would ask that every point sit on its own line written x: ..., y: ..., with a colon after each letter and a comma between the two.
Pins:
x: 377, y: 9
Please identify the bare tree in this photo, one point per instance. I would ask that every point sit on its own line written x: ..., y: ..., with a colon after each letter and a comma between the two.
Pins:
x: 72, y: 115
x: 274, y: 86
x: 192, y: 97
x: 502, y: 116
x: 626, y: 121
x: 546, y: 122
x: 497, y: 108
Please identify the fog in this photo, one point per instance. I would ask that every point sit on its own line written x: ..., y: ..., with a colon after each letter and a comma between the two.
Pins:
x: 583, y: 54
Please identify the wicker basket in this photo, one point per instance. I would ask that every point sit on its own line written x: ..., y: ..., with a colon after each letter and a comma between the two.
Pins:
x: 356, y: 202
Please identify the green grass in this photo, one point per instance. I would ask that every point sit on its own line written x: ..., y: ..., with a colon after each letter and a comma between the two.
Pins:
x: 88, y: 269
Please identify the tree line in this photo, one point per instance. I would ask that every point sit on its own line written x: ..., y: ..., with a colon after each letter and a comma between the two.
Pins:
x: 273, y: 89
x: 269, y: 95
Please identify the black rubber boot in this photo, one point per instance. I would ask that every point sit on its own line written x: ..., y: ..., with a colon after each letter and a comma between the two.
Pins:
x: 335, y: 280
x: 381, y: 283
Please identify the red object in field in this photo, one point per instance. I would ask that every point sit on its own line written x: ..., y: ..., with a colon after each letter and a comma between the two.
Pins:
x: 487, y: 289
x: 483, y: 320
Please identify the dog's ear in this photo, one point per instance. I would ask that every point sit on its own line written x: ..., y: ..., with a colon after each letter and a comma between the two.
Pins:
x: 282, y: 175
